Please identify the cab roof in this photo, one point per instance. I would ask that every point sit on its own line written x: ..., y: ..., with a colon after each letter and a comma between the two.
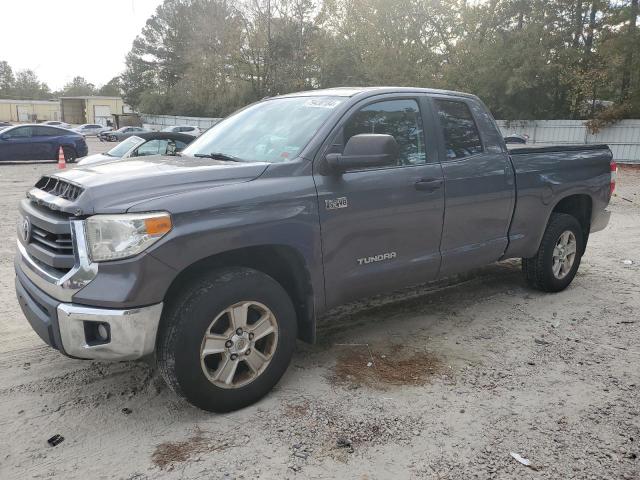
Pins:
x: 353, y: 91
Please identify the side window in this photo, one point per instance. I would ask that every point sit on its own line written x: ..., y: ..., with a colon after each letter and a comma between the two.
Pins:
x: 46, y: 132
x: 152, y: 147
x: 399, y: 118
x: 460, y: 131
x: 20, y: 132
x: 39, y: 132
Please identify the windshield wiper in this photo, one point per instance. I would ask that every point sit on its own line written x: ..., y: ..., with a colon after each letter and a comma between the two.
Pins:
x: 218, y: 156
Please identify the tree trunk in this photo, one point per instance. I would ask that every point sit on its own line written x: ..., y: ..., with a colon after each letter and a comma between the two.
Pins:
x: 588, y: 43
x: 630, y: 45
x: 577, y: 34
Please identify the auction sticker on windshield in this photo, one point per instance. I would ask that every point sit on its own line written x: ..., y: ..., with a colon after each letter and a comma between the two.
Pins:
x: 322, y: 102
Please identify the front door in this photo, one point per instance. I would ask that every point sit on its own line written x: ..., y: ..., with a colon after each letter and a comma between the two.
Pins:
x: 381, y: 227
x: 16, y: 144
x: 479, y: 184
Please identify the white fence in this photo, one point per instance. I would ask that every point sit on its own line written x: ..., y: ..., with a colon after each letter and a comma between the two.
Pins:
x: 623, y: 137
x: 157, y: 122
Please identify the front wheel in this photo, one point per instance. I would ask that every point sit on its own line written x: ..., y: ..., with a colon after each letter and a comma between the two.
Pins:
x: 555, y: 265
x: 227, y: 338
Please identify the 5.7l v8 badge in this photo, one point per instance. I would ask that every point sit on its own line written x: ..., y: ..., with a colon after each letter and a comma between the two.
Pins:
x: 335, y: 203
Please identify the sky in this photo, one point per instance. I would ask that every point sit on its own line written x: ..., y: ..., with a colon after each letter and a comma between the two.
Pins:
x: 61, y: 39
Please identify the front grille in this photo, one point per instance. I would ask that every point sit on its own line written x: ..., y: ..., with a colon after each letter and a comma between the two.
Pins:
x: 59, y: 188
x: 56, y: 243
x: 47, y: 236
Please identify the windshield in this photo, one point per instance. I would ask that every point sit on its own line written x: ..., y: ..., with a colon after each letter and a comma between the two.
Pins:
x: 123, y: 147
x: 271, y: 131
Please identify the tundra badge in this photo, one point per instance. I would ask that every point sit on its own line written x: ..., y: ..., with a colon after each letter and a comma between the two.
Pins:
x: 377, y: 258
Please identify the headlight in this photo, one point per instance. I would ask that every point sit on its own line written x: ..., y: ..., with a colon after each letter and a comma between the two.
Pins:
x: 112, y: 237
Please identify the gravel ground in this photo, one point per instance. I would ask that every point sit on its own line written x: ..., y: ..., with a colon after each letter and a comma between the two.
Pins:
x: 433, y: 382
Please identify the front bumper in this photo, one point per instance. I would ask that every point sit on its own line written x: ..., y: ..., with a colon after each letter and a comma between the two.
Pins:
x: 46, y: 301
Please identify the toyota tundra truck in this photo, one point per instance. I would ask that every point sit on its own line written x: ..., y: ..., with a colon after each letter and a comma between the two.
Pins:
x: 215, y: 261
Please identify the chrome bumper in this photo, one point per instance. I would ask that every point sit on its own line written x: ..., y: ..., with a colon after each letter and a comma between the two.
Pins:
x: 132, y: 332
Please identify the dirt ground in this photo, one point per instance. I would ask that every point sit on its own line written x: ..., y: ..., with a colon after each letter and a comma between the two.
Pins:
x: 434, y: 382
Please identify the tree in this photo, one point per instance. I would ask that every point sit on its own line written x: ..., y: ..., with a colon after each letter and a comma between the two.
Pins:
x: 7, y: 79
x: 631, y: 45
x: 112, y: 88
x: 526, y: 59
x: 78, y: 87
x: 28, y: 86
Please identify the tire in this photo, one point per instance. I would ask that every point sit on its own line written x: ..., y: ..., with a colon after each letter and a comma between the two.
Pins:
x: 539, y: 270
x: 70, y: 155
x: 203, y: 307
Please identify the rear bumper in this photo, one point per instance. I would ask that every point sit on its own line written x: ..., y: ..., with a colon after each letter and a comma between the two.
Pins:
x: 82, y: 149
x: 600, y: 222
x: 72, y: 328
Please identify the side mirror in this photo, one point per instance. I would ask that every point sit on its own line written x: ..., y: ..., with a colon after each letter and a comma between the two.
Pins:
x: 367, y: 150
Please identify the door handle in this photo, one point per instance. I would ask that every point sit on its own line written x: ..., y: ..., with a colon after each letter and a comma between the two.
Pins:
x: 428, y: 184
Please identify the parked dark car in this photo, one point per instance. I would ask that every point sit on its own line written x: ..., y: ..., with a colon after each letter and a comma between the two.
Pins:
x: 39, y: 142
x: 5, y: 124
x: 121, y: 134
x: 516, y: 138
x: 142, y: 145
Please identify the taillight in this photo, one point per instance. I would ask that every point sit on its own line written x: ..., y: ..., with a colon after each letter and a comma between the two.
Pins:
x: 614, y: 175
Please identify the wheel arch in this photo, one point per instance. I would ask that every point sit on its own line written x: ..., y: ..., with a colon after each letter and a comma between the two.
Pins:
x: 579, y: 206
x: 282, y: 263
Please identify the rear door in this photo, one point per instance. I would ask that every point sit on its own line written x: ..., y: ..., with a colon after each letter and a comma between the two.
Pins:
x: 45, y: 142
x: 479, y: 185
x: 381, y: 226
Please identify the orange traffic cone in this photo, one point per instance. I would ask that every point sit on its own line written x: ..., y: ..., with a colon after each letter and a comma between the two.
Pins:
x: 61, y: 161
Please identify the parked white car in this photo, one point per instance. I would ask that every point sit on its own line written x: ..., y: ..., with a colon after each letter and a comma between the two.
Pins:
x: 188, y: 129
x: 56, y: 123
x: 149, y: 143
x: 91, y: 129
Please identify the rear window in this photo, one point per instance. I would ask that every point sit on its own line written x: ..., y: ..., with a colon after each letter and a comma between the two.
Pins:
x: 461, y: 135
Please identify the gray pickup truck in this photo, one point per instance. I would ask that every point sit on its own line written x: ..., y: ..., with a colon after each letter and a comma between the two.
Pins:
x: 217, y: 260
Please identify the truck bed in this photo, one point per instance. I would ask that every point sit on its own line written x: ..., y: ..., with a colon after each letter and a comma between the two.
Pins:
x: 519, y: 149
x: 547, y: 174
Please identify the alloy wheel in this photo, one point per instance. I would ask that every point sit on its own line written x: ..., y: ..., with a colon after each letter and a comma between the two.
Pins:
x: 239, y: 344
x: 564, y: 254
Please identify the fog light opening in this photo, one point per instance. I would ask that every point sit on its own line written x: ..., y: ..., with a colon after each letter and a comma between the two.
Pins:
x: 97, y: 333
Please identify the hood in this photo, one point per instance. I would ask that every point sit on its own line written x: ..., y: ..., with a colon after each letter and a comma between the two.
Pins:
x: 116, y: 186
x: 93, y: 159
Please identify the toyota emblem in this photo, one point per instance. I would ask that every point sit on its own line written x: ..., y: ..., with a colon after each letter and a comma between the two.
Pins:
x: 26, y: 229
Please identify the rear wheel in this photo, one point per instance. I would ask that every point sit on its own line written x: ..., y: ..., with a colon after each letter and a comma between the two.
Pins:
x: 555, y: 265
x: 227, y: 338
x: 70, y: 155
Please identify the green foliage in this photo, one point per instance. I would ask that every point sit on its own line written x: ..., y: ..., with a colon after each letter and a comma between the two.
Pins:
x: 78, y: 87
x: 113, y: 88
x: 26, y: 85
x: 525, y: 59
